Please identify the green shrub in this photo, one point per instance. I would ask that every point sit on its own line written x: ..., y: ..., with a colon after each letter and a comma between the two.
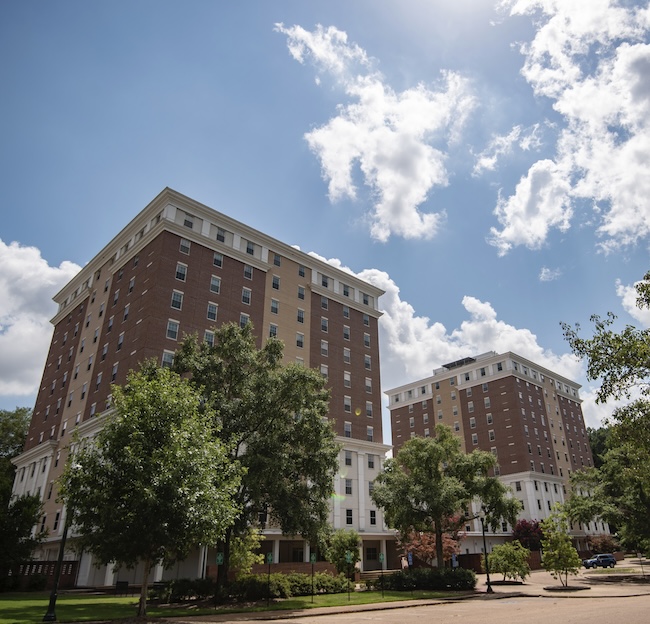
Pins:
x: 300, y: 584
x: 9, y: 583
x: 325, y: 583
x: 36, y: 582
x: 439, y: 579
x: 160, y: 592
x: 258, y: 587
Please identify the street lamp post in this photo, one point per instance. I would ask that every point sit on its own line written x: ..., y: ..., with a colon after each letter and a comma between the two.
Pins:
x: 489, y: 589
x: 50, y: 616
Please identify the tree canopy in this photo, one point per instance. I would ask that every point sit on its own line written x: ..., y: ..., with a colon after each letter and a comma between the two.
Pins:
x: 273, y: 417
x: 620, y: 488
x: 343, y: 550
x: 154, y: 482
x: 18, y: 516
x: 431, y: 480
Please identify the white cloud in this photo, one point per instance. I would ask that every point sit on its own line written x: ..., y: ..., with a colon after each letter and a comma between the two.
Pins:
x: 628, y: 295
x: 396, y: 139
x: 27, y: 285
x: 548, y: 275
x: 525, y: 138
x: 592, y: 59
x: 540, y: 202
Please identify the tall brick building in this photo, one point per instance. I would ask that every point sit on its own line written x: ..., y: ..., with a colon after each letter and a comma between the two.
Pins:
x: 528, y: 416
x: 179, y: 268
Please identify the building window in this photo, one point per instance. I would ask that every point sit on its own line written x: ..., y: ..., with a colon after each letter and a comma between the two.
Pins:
x: 184, y: 246
x: 348, y: 487
x: 472, y: 423
x: 172, y: 329
x: 470, y: 406
x: 348, y: 458
x: 456, y: 426
x: 248, y: 271
x: 217, y: 259
x: 347, y: 379
x: 325, y: 281
x: 275, y: 282
x: 366, y: 320
x: 215, y: 284
x: 250, y: 248
x: 300, y: 316
x: 114, y: 372
x: 365, y: 298
x: 486, y: 402
x: 301, y: 292
x: 246, y: 296
x: 324, y: 348
x: 491, y: 435
x: 221, y: 235
x: 120, y: 341
x: 300, y: 340
x: 177, y: 300
x: 369, y: 409
x: 324, y: 371
x: 243, y: 320
x: 347, y: 404
x: 347, y: 429
x: 277, y: 259
x: 370, y: 434
x: 98, y: 381
x: 126, y: 312
x: 188, y: 222
x: 301, y: 271
x: 488, y: 418
x: 348, y: 516
x: 323, y: 324
x: 131, y: 284
x: 346, y: 290
x: 208, y: 337
x: 346, y: 355
x: 371, y: 461
x: 346, y: 312
x: 181, y: 272
x: 367, y: 362
x: 273, y: 330
x: 368, y: 384
x: 475, y: 438
x: 373, y: 521
x: 324, y: 303
x: 212, y: 311
x: 275, y: 306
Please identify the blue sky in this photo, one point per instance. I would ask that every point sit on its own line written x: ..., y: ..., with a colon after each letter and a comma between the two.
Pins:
x: 486, y: 163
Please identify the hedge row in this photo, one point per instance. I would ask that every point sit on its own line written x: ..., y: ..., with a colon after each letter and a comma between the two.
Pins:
x: 251, y: 587
x: 428, y: 578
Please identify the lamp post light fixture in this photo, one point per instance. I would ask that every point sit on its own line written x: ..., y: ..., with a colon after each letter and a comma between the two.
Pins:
x: 489, y: 589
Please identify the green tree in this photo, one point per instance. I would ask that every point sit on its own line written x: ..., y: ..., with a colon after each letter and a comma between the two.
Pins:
x: 620, y: 489
x: 431, y: 481
x: 244, y: 551
x: 598, y: 442
x: 273, y: 416
x: 560, y: 557
x: 343, y: 550
x: 18, y: 516
x: 509, y: 559
x: 154, y: 483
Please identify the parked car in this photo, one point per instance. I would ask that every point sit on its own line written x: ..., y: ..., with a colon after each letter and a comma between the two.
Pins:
x: 603, y: 561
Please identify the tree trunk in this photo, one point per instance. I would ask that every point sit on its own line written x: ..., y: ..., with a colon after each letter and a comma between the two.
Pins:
x: 440, y: 557
x: 222, y: 570
x: 142, y: 604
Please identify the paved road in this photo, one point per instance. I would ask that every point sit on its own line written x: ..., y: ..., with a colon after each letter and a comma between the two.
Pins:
x: 528, y: 610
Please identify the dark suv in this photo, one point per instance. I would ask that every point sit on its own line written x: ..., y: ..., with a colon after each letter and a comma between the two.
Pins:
x: 604, y: 561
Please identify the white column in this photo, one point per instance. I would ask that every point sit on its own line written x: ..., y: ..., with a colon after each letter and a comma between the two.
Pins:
x: 109, y: 576
x: 203, y: 553
x: 276, y: 551
x: 158, y: 572
x: 382, y: 550
x: 306, y: 551
x: 85, y: 563
x: 362, y: 458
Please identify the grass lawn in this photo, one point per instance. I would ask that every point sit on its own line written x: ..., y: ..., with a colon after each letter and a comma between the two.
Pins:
x: 31, y: 607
